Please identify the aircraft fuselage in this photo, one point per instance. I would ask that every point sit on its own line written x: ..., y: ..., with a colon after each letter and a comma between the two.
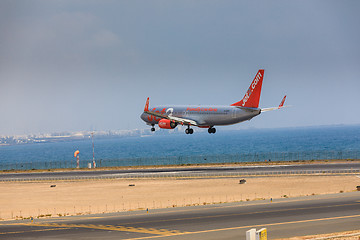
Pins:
x: 205, y: 116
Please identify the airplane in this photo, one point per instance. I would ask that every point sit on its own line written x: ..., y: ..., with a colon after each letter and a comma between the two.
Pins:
x: 168, y: 117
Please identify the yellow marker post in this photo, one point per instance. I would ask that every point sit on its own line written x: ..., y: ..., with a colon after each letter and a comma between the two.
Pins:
x: 261, y: 234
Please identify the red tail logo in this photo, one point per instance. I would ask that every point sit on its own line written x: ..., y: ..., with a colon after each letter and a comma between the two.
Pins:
x: 252, y: 96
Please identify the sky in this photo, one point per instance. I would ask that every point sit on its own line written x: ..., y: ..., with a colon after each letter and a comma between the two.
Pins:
x: 72, y: 65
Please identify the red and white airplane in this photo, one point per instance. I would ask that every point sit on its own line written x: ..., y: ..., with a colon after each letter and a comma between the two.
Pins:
x: 169, y: 117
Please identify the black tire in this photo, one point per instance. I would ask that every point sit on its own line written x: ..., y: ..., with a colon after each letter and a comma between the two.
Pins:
x: 153, y: 129
x: 214, y: 130
x: 191, y: 131
x: 187, y: 131
x: 210, y: 130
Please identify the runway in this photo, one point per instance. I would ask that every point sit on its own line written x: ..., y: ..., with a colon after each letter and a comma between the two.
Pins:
x: 351, y: 166
x: 282, y: 217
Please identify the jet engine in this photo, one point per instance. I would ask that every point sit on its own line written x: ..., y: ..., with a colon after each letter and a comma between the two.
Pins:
x: 167, y: 124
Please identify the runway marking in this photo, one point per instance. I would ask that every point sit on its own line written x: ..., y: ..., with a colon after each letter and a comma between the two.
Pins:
x: 250, y: 226
x: 36, y: 230
x: 60, y: 226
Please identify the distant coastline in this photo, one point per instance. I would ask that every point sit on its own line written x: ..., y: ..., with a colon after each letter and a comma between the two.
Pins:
x: 68, y: 136
x: 83, y: 135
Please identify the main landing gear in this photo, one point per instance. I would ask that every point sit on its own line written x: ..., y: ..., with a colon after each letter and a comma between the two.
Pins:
x: 152, y: 128
x: 211, y: 130
x: 189, y: 130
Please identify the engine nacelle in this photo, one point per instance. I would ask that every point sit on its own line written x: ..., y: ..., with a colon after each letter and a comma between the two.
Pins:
x: 167, y: 124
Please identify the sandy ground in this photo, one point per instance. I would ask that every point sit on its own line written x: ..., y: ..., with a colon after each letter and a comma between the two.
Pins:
x: 349, y: 235
x: 38, y: 199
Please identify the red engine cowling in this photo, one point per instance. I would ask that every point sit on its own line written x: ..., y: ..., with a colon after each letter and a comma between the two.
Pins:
x: 167, y: 124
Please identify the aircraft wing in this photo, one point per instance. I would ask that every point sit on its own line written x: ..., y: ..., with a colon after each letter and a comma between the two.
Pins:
x: 182, y: 121
x: 275, y: 108
x: 159, y: 115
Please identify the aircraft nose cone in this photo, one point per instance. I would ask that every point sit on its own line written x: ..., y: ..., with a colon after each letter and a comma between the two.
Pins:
x: 143, y: 117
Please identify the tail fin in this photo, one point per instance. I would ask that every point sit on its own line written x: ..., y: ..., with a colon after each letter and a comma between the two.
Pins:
x: 252, y: 96
x: 146, y: 108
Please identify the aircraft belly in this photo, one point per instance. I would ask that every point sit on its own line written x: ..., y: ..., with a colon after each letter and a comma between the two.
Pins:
x: 228, y: 119
x: 224, y: 121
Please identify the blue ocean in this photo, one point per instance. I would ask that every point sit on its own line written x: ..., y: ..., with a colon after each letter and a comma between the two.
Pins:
x: 239, y: 145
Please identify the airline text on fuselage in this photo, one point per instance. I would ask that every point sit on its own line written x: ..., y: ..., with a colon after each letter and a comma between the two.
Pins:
x: 199, y: 109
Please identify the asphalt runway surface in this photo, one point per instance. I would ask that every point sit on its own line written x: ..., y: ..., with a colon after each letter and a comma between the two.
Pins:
x: 283, y: 218
x: 180, y: 170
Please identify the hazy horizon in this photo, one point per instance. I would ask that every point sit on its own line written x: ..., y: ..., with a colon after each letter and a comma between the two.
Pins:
x: 220, y: 128
x: 90, y: 65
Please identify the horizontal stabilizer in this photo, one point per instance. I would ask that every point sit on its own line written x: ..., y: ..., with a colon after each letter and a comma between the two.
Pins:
x: 281, y: 105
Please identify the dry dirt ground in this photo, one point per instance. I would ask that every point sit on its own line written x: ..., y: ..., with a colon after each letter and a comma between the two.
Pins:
x: 350, y: 235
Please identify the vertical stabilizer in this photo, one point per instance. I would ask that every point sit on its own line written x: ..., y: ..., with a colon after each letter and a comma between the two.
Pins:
x: 252, y: 96
x: 146, y: 108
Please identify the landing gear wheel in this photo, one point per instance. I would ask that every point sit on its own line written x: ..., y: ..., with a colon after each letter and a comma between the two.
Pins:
x: 153, y: 129
x: 189, y: 130
x: 211, y: 130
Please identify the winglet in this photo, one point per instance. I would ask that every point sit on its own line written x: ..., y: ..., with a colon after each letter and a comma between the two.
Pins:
x: 275, y: 108
x: 282, y: 102
x: 252, y: 96
x: 146, y: 109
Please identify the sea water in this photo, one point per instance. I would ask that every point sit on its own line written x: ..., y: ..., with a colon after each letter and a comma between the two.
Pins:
x: 172, y: 147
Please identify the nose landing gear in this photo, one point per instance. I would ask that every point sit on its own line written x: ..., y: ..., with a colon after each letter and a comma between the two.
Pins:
x: 152, y: 128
